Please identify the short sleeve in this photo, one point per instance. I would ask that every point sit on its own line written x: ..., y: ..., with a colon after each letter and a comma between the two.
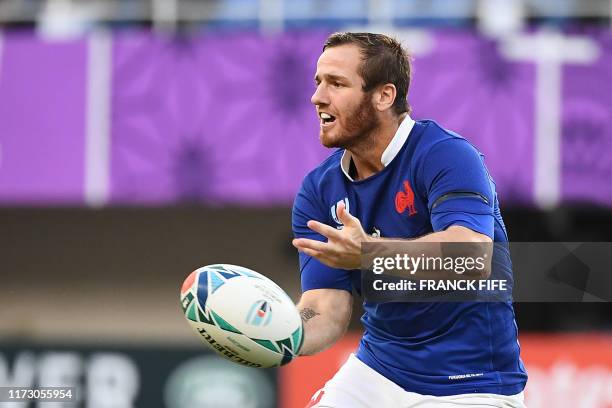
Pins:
x: 314, y: 274
x: 459, y: 189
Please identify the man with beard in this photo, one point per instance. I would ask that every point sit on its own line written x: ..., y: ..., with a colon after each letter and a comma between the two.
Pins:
x: 395, y: 177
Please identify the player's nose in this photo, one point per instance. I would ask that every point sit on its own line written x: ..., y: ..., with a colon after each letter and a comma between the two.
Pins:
x: 319, y: 97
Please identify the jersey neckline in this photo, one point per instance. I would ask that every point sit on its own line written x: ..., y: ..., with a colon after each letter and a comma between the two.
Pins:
x: 393, y: 148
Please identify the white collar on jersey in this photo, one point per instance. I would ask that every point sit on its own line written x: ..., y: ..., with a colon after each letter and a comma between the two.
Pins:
x: 400, y: 137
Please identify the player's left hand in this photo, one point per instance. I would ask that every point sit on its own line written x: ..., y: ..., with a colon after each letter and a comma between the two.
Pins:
x: 343, y: 247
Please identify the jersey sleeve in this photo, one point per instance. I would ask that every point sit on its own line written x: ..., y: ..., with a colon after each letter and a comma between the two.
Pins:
x: 314, y: 274
x: 459, y: 189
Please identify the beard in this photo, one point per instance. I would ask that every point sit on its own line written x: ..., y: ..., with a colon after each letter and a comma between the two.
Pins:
x: 357, y: 128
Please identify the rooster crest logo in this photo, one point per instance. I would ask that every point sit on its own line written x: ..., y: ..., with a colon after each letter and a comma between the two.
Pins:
x: 405, y: 200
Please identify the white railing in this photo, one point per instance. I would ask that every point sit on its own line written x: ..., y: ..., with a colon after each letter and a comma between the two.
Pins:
x: 272, y: 15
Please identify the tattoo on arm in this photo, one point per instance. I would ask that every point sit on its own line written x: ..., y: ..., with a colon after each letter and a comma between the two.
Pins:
x: 307, y: 314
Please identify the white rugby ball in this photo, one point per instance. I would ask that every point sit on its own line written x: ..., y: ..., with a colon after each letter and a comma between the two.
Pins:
x: 242, y: 315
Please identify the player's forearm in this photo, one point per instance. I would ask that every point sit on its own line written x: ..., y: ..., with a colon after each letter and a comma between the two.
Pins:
x: 451, y: 234
x: 455, y: 243
x: 344, y: 248
x: 320, y: 332
x: 325, y: 315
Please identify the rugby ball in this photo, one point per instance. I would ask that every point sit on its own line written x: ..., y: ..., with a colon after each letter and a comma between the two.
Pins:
x: 242, y: 315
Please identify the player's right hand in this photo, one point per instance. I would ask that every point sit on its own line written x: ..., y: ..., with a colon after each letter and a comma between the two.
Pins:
x: 343, y: 247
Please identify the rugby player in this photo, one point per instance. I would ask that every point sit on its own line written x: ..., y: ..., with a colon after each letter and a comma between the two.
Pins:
x: 395, y: 177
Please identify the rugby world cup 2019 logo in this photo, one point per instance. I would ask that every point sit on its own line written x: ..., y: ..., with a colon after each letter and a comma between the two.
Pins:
x: 259, y: 314
x: 334, y: 210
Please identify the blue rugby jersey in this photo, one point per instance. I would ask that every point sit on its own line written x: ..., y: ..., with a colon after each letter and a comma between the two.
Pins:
x: 428, y: 348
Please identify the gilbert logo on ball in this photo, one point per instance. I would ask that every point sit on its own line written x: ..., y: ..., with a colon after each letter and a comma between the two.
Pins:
x: 242, y: 315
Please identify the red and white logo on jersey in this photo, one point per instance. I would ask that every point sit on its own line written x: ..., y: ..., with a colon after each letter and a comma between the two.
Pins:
x: 405, y: 200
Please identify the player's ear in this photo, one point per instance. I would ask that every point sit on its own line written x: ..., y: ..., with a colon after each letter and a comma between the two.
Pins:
x: 385, y: 96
